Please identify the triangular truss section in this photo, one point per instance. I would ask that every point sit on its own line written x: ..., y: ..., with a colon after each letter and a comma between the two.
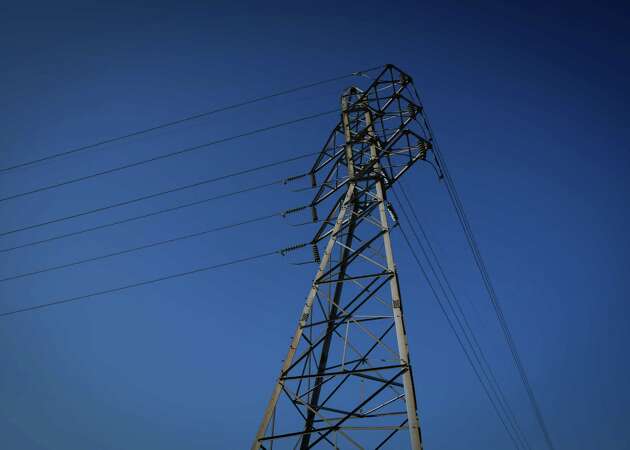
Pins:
x: 347, y: 381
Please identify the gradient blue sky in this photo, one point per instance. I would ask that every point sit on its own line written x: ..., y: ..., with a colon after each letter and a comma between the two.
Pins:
x: 529, y: 102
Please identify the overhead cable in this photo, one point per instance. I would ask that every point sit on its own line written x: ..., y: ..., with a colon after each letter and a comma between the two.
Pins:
x: 134, y: 285
x: 184, y: 119
x: 158, y: 194
x: 143, y: 216
x: 141, y: 247
x: 165, y: 156
x: 457, y: 336
x: 464, y: 324
x: 474, y: 247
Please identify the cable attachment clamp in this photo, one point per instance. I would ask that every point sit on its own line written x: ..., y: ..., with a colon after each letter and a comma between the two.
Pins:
x: 424, y: 147
x: 293, y: 178
x: 286, y: 250
x: 315, y: 249
x: 293, y: 210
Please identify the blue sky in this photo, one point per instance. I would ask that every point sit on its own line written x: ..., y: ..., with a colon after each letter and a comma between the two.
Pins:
x: 529, y: 102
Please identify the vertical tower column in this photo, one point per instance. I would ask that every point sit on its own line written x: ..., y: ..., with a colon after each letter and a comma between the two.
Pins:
x: 401, y: 334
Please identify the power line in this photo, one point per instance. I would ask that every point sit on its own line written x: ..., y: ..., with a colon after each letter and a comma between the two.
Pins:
x: 135, y: 285
x: 472, y: 243
x: 185, y: 119
x: 142, y: 247
x: 167, y: 155
x: 498, y: 309
x: 467, y: 330
x: 457, y: 336
x: 143, y: 216
x: 158, y: 194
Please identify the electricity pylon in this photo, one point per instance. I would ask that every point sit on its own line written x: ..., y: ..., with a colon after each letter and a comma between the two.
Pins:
x: 347, y: 380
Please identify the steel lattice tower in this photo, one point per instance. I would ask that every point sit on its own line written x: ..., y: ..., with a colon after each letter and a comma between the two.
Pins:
x: 347, y: 380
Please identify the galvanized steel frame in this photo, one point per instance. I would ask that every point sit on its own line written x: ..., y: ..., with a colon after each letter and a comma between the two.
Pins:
x: 360, y: 161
